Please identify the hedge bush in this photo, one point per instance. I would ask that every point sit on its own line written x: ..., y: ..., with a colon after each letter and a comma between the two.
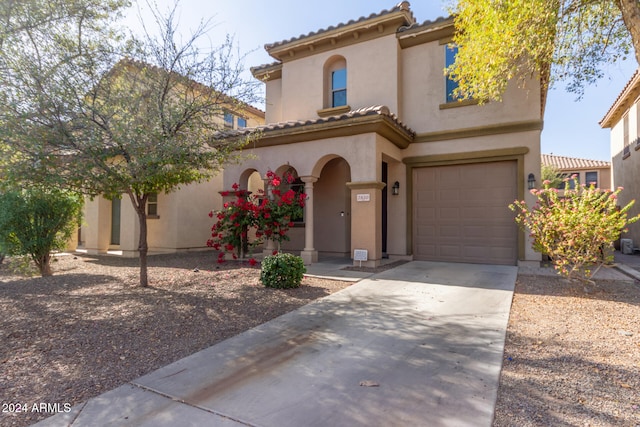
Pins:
x: 282, y: 271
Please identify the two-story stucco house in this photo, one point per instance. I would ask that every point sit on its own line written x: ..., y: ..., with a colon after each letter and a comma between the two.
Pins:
x: 362, y: 114
x: 176, y: 221
x: 623, y: 118
x: 586, y: 171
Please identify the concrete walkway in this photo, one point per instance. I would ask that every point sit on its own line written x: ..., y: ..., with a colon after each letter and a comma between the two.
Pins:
x: 417, y: 345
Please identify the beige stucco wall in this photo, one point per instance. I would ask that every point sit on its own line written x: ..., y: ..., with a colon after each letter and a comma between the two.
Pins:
x: 604, y: 175
x: 626, y: 171
x: 424, y: 92
x: 182, y: 223
x: 273, y: 103
x: 372, y: 79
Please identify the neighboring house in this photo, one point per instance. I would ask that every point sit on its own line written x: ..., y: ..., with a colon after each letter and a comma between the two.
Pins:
x: 587, y: 171
x: 176, y: 221
x: 362, y: 114
x: 623, y: 118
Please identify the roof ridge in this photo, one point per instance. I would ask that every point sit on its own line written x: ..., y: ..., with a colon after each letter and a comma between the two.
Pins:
x: 567, y: 162
x: 402, y: 6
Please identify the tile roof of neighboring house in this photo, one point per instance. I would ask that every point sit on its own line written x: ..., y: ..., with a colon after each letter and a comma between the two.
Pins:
x: 380, y: 110
x: 223, y: 99
x: 572, y: 163
x: 623, y: 102
x: 403, y: 6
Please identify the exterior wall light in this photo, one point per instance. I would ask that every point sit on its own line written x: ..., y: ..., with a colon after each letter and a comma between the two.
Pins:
x: 395, y: 190
x: 531, y: 181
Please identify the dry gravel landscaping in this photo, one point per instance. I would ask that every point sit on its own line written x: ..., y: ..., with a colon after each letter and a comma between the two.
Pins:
x: 572, y: 356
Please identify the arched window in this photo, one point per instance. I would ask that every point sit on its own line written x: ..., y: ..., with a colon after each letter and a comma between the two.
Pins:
x: 335, y: 77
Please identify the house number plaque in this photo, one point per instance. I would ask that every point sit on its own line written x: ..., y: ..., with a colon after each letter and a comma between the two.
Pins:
x: 363, y: 197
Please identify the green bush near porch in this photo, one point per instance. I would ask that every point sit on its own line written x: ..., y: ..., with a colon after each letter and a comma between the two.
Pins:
x: 282, y: 271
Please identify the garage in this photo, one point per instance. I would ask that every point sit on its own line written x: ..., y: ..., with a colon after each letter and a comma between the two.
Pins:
x: 461, y: 214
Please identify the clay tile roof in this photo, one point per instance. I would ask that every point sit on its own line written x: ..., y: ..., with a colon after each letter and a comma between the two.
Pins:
x: 623, y: 102
x: 380, y: 110
x: 261, y: 67
x: 569, y: 163
x: 403, y: 6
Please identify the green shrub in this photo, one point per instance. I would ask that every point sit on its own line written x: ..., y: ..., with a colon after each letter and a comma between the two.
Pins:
x: 36, y: 221
x: 575, y: 229
x: 282, y: 271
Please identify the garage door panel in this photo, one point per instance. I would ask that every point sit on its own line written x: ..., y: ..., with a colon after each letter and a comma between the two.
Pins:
x: 465, y: 217
x: 473, y: 195
x: 448, y: 213
x: 427, y: 231
x: 426, y: 214
x: 486, y: 214
x: 425, y: 196
x: 451, y: 251
x: 450, y: 231
x: 427, y: 250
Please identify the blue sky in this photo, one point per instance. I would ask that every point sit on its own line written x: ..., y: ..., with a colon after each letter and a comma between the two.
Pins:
x: 571, y: 128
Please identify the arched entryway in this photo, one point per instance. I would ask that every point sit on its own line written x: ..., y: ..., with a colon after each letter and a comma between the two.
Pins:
x: 332, y: 208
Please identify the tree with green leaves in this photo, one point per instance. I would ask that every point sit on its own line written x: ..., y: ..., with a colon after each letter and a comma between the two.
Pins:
x: 552, y: 175
x: 559, y: 40
x: 37, y: 221
x: 103, y: 117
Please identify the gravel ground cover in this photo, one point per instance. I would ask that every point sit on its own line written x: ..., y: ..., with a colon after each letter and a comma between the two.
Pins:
x: 89, y: 328
x: 572, y: 354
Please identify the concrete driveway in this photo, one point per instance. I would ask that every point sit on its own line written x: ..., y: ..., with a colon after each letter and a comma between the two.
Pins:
x: 417, y: 345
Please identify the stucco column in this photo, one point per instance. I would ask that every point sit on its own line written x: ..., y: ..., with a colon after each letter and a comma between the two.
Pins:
x: 130, y: 228
x: 309, y: 254
x: 97, y: 215
x: 366, y: 220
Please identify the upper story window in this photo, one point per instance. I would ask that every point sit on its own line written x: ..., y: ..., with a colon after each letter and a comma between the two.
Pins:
x: 335, y: 83
x: 339, y: 87
x: 242, y: 122
x: 591, y: 178
x: 627, y: 141
x: 228, y: 119
x: 450, y: 52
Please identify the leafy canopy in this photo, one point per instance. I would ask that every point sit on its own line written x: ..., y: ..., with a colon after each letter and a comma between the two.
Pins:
x: 84, y: 109
x: 557, y: 40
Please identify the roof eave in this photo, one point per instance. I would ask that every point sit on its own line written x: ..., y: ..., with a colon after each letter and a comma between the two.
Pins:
x: 627, y: 97
x: 267, y: 72
x: 439, y: 29
x: 287, y: 50
x: 374, y: 123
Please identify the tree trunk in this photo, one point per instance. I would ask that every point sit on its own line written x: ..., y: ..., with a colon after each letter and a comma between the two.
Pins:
x: 44, y: 265
x: 140, y: 205
x: 631, y: 16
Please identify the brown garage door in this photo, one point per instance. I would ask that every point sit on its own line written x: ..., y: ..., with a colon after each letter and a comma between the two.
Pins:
x: 460, y: 213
